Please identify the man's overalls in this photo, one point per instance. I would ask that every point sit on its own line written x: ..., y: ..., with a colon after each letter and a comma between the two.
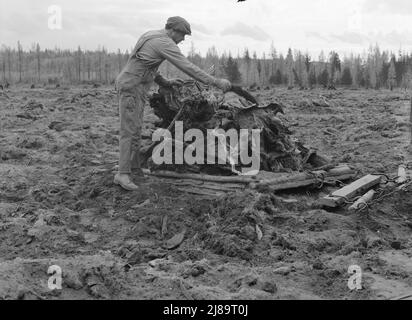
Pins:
x: 133, y: 85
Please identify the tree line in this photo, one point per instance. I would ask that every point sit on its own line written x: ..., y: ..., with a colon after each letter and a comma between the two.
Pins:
x: 55, y: 66
x: 373, y: 69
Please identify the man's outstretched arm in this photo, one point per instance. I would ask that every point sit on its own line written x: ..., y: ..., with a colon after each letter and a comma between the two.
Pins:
x: 173, y: 54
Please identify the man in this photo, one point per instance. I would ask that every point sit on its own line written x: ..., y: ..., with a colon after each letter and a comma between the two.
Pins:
x: 135, y: 80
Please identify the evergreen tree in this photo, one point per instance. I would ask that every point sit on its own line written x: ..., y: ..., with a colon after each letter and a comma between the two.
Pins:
x: 289, y: 68
x: 38, y: 61
x: 323, y: 78
x: 346, y: 79
x: 232, y: 70
x: 247, y: 61
x: 312, y: 78
x: 20, y: 59
x: 308, y: 63
x: 335, y: 67
x: 392, y: 73
x: 276, y: 78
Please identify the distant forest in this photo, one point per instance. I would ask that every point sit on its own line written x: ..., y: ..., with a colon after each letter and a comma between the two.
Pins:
x: 374, y: 69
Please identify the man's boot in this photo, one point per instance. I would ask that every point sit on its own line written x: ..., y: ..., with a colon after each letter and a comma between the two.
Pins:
x: 124, y: 181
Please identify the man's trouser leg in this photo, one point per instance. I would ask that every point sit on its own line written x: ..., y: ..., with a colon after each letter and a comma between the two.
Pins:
x: 131, y: 108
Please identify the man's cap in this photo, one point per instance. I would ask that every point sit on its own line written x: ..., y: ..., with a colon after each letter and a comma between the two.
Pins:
x: 179, y: 24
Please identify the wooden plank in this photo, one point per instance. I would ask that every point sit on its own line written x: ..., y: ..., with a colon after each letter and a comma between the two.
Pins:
x: 348, y: 192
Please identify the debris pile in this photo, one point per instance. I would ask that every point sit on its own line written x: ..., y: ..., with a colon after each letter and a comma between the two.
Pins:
x: 198, y: 108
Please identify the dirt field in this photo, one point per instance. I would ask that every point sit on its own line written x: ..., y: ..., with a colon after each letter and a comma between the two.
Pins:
x: 58, y: 206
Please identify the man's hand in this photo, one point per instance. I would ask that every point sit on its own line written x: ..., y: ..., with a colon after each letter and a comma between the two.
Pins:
x: 223, y: 84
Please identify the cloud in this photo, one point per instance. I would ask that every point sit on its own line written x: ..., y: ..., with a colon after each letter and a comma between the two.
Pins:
x: 200, y: 28
x: 394, y: 38
x: 352, y: 38
x: 345, y: 37
x: 403, y: 7
x: 316, y: 35
x: 244, y: 30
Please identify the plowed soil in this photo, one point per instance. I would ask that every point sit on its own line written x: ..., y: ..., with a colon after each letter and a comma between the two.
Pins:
x: 58, y: 206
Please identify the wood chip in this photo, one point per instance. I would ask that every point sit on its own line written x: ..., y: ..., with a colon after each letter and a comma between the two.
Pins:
x: 164, y: 226
x: 142, y: 204
x: 259, y: 233
x: 175, y: 242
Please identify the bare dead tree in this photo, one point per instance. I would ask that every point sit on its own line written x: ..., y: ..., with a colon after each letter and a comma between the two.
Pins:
x: 3, y: 60
x: 119, y: 60
x: 38, y: 61
x: 9, y: 62
x: 79, y: 64
x: 100, y: 65
x: 20, y: 59
x: 89, y: 67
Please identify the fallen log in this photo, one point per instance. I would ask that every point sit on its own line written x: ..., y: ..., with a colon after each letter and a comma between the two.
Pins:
x: 210, y: 185
x: 276, y: 182
x: 303, y: 183
x: 308, y: 178
x: 348, y: 192
x: 201, y: 177
x: 202, y: 192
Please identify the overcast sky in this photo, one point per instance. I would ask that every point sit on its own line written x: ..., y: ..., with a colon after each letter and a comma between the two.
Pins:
x: 315, y: 25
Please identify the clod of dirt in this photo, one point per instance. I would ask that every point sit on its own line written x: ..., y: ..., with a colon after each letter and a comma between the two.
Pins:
x: 397, y: 245
x: 12, y: 153
x: 72, y: 280
x: 196, y: 269
x: 374, y: 241
x: 284, y: 271
x: 269, y: 287
x: 31, y: 143
x: 318, y: 265
x: 27, y: 116
x: 39, y: 229
x: 33, y: 105
x: 136, y: 257
x: 58, y: 126
x: 254, y: 281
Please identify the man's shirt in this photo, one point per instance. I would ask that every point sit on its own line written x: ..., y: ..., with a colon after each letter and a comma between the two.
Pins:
x: 156, y: 46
